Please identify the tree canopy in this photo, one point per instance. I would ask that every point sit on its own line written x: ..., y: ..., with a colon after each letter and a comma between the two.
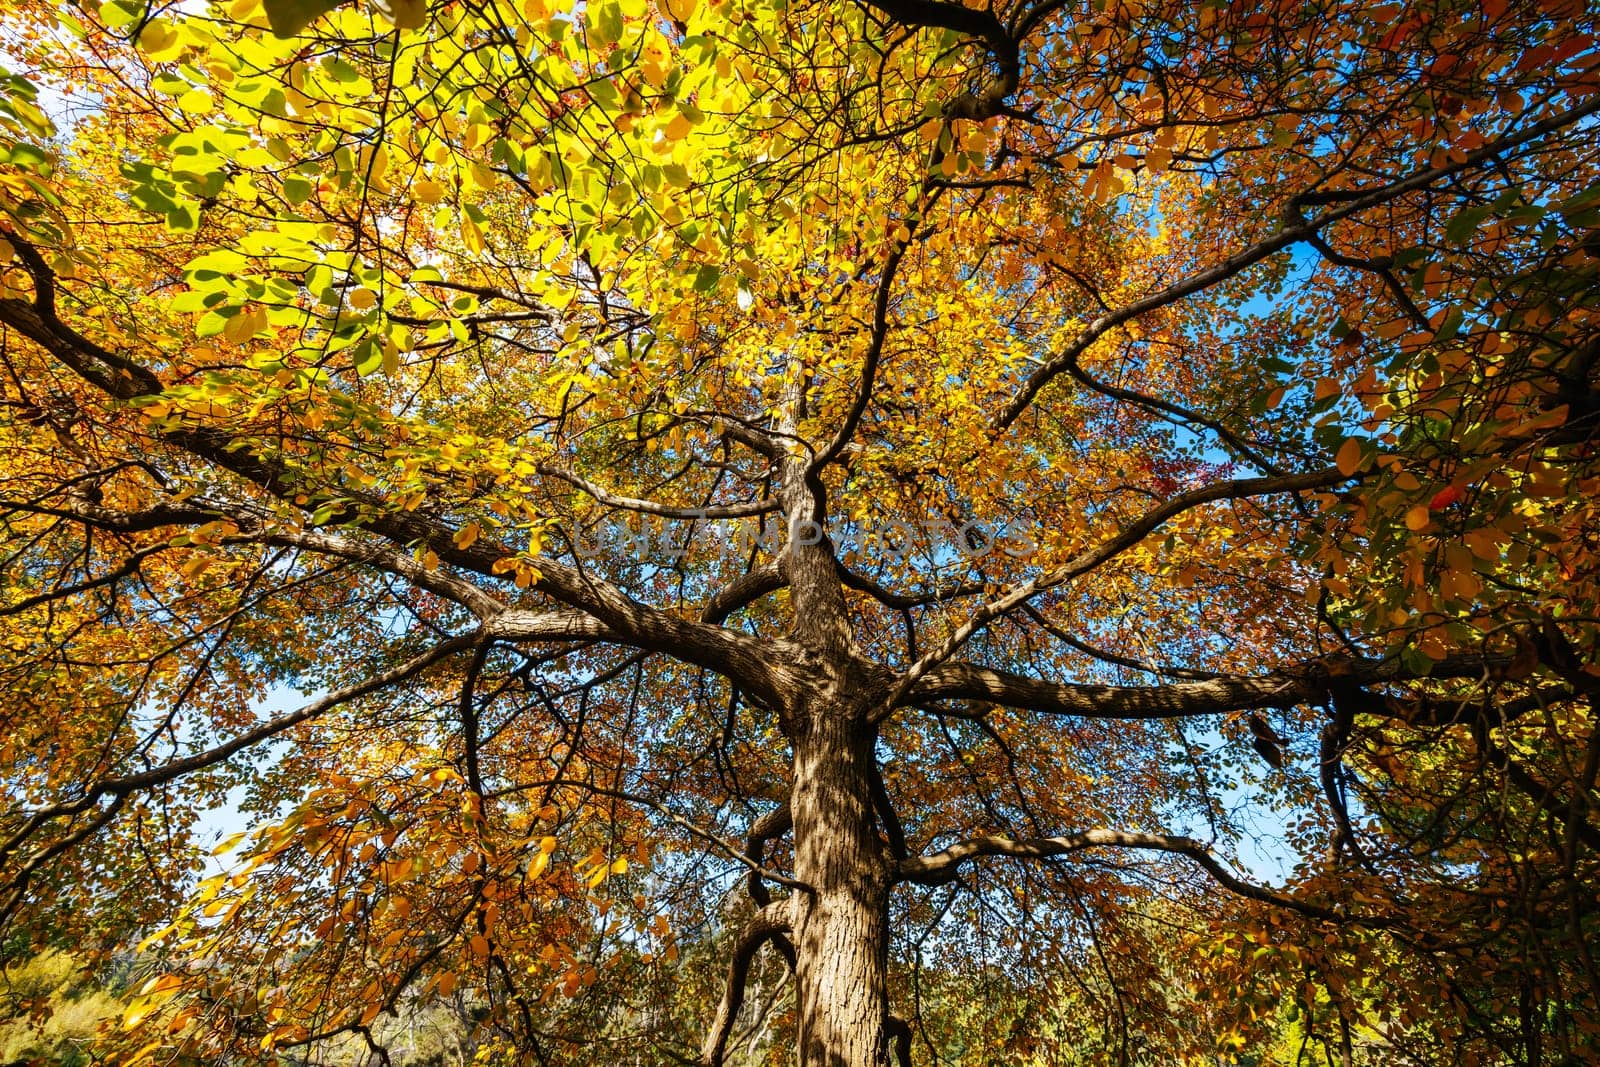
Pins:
x: 866, y: 505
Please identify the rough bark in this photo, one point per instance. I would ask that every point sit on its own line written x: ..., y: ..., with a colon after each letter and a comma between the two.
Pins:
x: 841, y: 927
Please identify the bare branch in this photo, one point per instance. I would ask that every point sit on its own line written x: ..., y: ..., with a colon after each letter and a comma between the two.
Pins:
x: 122, y: 787
x: 942, y: 866
x: 1088, y: 560
x: 769, y: 922
x: 651, y: 507
x: 773, y: 824
x: 1296, y: 230
x: 726, y: 847
x: 1215, y: 696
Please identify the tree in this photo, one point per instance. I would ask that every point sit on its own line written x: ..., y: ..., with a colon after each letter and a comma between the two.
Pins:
x: 898, y: 455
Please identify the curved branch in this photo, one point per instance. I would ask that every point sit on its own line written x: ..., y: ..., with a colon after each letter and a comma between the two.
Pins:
x: 1107, y: 656
x: 774, y: 823
x: 901, y: 601
x: 651, y: 507
x: 1087, y: 561
x: 869, y: 363
x: 125, y: 785
x: 757, y: 666
x: 1295, y: 230
x: 727, y: 847
x: 742, y: 591
x: 1166, y: 407
x: 973, y: 22
x: 899, y: 1031
x: 1214, y: 696
x: 940, y: 867
x: 768, y: 923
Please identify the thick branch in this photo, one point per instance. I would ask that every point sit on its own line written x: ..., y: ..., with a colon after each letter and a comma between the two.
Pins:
x: 1213, y: 696
x: 1087, y: 561
x: 774, y: 823
x: 742, y: 591
x: 755, y: 665
x: 973, y: 22
x: 942, y: 866
x: 766, y: 924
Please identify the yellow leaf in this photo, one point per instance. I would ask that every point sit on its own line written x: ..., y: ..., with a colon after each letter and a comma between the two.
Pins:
x: 427, y: 191
x: 1418, y: 518
x: 446, y: 984
x: 467, y: 535
x: 362, y: 299
x: 678, y: 128
x: 159, y: 39
x: 406, y: 14
x: 471, y: 235
x: 196, y: 102
x: 229, y: 843
x: 160, y: 984
x: 1349, y: 458
x: 245, y: 325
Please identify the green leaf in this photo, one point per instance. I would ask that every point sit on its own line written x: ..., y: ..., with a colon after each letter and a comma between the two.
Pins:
x: 25, y: 155
x: 213, y: 323
x: 183, y: 216
x: 289, y: 17
x: 1451, y: 325
x: 1461, y: 228
x: 367, y: 357
x: 607, y: 26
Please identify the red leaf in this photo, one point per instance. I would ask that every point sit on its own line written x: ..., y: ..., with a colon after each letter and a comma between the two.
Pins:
x: 1444, y: 498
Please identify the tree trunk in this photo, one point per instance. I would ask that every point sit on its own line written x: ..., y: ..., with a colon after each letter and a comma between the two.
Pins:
x: 841, y: 931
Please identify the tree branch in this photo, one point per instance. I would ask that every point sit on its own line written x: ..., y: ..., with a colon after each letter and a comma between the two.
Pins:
x: 769, y: 922
x: 757, y: 666
x: 651, y: 507
x: 774, y: 823
x: 1295, y: 230
x: 940, y: 867
x: 1213, y: 696
x: 125, y: 785
x: 1087, y: 561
